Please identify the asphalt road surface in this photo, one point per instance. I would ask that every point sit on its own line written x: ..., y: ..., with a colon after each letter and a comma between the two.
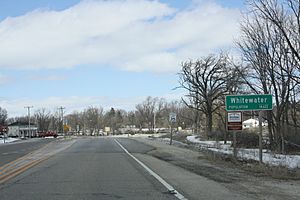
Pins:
x: 13, y: 151
x: 92, y: 168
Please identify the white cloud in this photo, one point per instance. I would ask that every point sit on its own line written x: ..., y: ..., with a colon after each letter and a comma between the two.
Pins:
x: 4, y: 79
x: 134, y: 35
x: 47, y: 78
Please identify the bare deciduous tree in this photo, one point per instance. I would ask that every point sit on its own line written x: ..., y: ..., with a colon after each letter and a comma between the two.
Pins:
x: 285, y: 16
x: 147, y: 109
x: 3, y: 115
x: 207, y: 81
x: 43, y: 119
x: 75, y: 121
x: 269, y: 51
x: 92, y: 118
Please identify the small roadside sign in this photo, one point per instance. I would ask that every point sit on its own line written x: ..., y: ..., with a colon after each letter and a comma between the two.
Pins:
x: 172, y: 117
x: 172, y: 120
x: 234, y: 117
x: 234, y: 121
x: 234, y: 128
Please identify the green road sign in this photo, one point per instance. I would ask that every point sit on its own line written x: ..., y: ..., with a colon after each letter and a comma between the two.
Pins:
x: 249, y: 102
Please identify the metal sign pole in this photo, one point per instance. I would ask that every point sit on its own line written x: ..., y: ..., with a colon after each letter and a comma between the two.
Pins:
x: 172, y: 120
x: 234, y: 145
x: 171, y: 136
x: 260, y: 138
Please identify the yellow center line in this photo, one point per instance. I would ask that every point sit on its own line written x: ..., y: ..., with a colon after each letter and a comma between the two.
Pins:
x: 19, y: 161
x: 25, y: 156
x: 19, y: 170
x: 19, y: 165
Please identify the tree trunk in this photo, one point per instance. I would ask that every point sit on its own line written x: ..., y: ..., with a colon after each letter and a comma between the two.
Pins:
x: 208, y: 124
x: 278, y: 137
x: 270, y: 130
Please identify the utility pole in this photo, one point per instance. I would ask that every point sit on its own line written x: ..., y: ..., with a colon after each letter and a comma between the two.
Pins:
x: 29, y: 129
x: 154, y: 122
x: 62, y: 119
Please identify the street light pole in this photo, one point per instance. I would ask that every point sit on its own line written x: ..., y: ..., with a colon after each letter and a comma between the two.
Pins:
x: 29, y: 129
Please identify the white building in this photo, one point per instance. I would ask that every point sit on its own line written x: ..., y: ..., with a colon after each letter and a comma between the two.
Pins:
x: 252, y: 123
x: 21, y: 129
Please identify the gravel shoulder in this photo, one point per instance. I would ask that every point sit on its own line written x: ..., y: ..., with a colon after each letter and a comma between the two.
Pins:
x: 250, y: 184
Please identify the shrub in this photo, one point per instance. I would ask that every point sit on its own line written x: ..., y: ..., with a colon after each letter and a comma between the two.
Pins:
x: 247, y: 140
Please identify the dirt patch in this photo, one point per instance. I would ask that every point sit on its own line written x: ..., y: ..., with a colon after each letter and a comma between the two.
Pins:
x: 205, y: 169
x: 177, y: 137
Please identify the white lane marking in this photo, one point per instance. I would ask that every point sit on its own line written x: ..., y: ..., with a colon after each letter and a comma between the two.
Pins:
x: 161, y: 180
x: 11, y: 152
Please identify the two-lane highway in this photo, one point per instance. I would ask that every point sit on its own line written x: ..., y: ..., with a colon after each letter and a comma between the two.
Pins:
x: 92, y: 168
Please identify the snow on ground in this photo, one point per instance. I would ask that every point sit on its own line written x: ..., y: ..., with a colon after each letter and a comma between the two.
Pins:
x: 8, y: 140
x: 167, y: 141
x: 208, y: 144
x: 137, y: 135
x: 289, y: 161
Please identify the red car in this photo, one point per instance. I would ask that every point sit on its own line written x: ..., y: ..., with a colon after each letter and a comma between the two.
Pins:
x: 47, y: 134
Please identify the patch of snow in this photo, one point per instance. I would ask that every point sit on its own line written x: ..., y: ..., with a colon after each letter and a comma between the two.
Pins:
x: 208, y: 144
x: 137, y: 135
x: 289, y: 161
x: 8, y: 140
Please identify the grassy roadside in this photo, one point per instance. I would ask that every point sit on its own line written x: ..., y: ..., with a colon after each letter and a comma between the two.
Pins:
x: 250, y: 167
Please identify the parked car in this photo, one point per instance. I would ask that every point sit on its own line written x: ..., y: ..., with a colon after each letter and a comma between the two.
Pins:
x: 47, y: 134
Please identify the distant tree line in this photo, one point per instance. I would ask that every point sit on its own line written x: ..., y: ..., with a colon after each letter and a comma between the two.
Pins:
x: 152, y: 113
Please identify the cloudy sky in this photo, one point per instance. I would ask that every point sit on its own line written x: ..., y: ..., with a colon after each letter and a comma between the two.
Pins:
x: 109, y: 53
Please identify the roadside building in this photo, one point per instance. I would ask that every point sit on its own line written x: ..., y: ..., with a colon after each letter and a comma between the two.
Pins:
x: 107, y: 130
x: 252, y: 123
x: 21, y: 129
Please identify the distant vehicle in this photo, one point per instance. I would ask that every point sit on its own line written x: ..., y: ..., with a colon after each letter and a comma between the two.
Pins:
x: 3, y: 129
x: 47, y: 134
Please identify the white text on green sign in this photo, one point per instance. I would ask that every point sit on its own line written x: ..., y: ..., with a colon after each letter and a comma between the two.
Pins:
x: 249, y: 102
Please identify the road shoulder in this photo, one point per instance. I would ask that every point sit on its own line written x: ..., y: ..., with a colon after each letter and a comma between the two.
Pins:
x: 201, y: 172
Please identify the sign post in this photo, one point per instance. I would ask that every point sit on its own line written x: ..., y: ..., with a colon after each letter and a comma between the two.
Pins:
x: 234, y: 123
x: 260, y: 137
x: 257, y: 102
x: 172, y: 120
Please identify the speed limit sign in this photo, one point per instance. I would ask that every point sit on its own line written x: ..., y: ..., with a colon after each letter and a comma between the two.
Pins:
x: 172, y: 117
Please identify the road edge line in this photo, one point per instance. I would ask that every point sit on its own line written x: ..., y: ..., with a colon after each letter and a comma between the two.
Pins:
x: 151, y: 172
